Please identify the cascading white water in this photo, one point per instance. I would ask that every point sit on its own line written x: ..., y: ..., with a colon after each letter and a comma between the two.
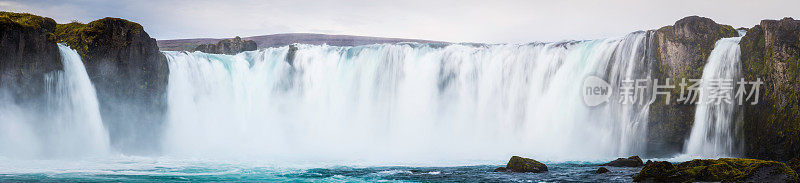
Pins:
x: 405, y: 102
x: 714, y: 130
x: 70, y: 125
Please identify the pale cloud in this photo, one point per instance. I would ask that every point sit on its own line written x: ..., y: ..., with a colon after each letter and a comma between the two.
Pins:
x: 502, y: 21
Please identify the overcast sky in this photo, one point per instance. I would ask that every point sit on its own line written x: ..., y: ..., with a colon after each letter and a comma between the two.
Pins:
x: 486, y: 21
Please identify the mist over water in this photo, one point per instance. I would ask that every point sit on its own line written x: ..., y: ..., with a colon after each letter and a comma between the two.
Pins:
x: 405, y: 102
x: 384, y: 103
x: 67, y: 123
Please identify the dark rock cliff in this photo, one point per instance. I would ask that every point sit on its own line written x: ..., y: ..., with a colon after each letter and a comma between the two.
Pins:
x: 228, y: 46
x: 129, y: 73
x: 771, y: 52
x: 681, y: 51
x: 27, y: 53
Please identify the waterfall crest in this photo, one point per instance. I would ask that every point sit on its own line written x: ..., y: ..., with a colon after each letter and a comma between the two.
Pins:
x: 405, y: 101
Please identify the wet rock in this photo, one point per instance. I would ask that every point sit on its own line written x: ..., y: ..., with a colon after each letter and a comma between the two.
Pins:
x: 520, y: 164
x: 228, y: 46
x: 500, y: 169
x: 633, y: 161
x: 648, y: 162
x: 721, y: 170
x: 601, y: 170
x: 771, y: 53
x: 290, y: 54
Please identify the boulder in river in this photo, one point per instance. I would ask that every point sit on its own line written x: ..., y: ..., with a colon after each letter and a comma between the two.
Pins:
x: 601, y: 170
x: 520, y: 164
x: 633, y: 161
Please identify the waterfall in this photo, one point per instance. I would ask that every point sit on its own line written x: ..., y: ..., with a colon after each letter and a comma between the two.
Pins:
x: 714, y: 132
x: 68, y: 126
x: 406, y: 101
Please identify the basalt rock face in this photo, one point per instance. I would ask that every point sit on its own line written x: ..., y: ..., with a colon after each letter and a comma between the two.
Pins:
x: 771, y: 52
x: 681, y: 51
x: 129, y: 74
x: 228, y: 46
x: 27, y: 53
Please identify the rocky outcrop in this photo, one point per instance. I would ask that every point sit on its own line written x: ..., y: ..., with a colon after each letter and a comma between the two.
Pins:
x: 129, y: 74
x: 27, y: 53
x: 521, y: 165
x: 633, y: 161
x: 721, y: 170
x: 601, y: 170
x: 681, y: 51
x: 771, y: 52
x: 228, y: 46
x: 291, y: 54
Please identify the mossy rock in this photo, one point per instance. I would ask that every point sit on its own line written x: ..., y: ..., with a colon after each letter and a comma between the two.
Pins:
x: 97, y: 34
x: 771, y: 53
x: 26, y: 20
x: 520, y: 164
x: 633, y: 161
x: 720, y: 170
x: 27, y: 55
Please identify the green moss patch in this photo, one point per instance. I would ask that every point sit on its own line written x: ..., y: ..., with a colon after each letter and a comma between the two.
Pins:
x: 84, y: 37
x: 25, y: 20
x: 709, y: 170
